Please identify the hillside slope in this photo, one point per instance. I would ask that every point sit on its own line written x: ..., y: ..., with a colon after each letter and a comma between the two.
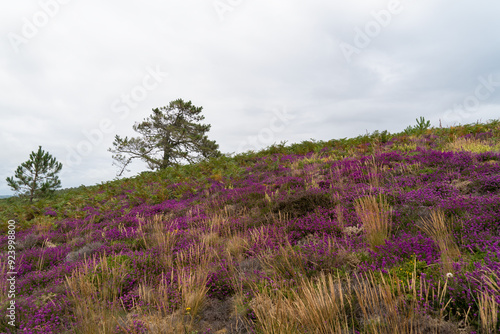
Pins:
x: 383, y: 233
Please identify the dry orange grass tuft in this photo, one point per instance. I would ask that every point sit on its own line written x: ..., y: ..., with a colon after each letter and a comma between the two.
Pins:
x: 94, y: 293
x: 373, y: 176
x: 436, y: 227
x: 329, y: 304
x: 376, y: 217
x: 155, y: 232
x: 488, y: 306
x: 287, y: 262
x: 470, y: 145
x: 236, y: 246
x: 43, y: 224
x: 193, y: 267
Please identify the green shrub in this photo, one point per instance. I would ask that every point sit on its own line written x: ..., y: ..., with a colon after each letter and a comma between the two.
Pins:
x: 418, y: 129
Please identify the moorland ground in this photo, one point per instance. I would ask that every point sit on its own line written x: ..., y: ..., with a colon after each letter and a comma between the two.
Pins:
x: 382, y: 233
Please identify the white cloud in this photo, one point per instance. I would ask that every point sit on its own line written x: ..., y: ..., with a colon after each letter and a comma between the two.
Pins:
x: 263, y: 55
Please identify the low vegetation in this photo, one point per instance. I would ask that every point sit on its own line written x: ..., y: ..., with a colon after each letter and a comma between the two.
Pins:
x: 382, y: 233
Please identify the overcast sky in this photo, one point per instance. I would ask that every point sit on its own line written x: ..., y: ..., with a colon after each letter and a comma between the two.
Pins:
x: 74, y: 73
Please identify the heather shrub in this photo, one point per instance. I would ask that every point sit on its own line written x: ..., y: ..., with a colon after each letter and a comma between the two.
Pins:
x: 487, y: 185
x: 42, y: 313
x: 489, y: 156
x: 326, y: 255
x: 302, y: 203
x: 219, y: 282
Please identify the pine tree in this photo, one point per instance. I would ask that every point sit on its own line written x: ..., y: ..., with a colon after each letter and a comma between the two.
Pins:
x: 169, y: 136
x: 37, y: 176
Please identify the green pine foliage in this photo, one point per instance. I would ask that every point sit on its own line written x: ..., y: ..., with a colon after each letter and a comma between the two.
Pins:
x: 37, y: 176
x: 171, y: 135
